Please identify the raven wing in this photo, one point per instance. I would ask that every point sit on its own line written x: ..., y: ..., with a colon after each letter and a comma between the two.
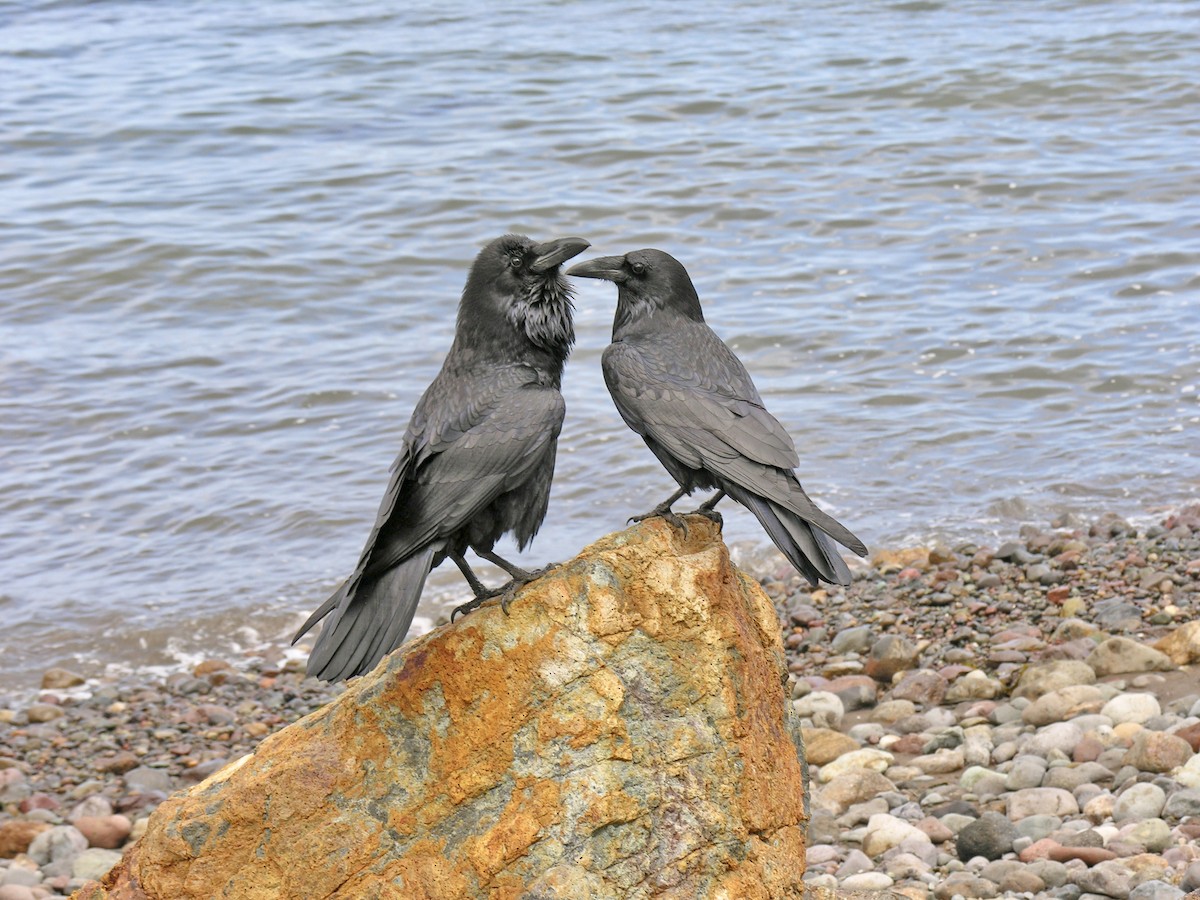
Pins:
x: 462, y: 469
x: 710, y: 393
x: 457, y: 457
x: 711, y: 417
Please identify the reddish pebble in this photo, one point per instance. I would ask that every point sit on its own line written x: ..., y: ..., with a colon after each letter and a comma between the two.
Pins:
x: 937, y: 832
x: 953, y: 671
x: 1017, y: 631
x: 1038, y: 850
x: 119, y: 764
x: 1058, y: 595
x: 107, y: 832
x: 908, y: 574
x: 981, y: 710
x: 1190, y: 830
x: 1087, y: 750
x: 909, y: 744
x: 1191, y: 734
x: 1068, y: 560
x: 1088, y: 855
x: 39, y: 801
x: 208, y: 666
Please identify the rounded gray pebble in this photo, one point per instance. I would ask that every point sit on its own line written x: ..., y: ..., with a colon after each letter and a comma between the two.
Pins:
x: 1155, y: 890
x: 989, y: 836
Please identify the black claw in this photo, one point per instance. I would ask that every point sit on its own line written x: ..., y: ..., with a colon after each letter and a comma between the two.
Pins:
x: 465, y: 608
x: 506, y: 593
x: 472, y: 605
x: 711, y: 514
x: 662, y: 512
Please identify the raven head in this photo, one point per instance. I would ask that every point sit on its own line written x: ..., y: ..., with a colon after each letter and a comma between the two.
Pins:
x: 648, y: 282
x: 518, y: 279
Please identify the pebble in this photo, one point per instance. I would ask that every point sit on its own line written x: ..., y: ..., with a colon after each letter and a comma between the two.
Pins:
x: 1056, y: 707
x: 107, y: 832
x: 867, y: 758
x: 1183, y: 804
x: 885, y: 831
x: 1153, y: 834
x: 93, y: 863
x: 1156, y: 890
x: 1038, y: 680
x: 868, y: 881
x: 1156, y: 751
x: 1041, y: 801
x: 57, y: 679
x: 1121, y: 655
x: 823, y: 708
x: 1138, y: 802
x: 824, y: 745
x: 890, y: 654
x: 1138, y: 708
x: 990, y: 836
x: 16, y: 835
x: 1109, y: 879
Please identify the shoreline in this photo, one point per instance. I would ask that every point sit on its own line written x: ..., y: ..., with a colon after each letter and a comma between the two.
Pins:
x: 154, y: 641
x: 963, y: 622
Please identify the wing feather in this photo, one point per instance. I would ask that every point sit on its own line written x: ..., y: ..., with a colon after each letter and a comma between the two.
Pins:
x: 651, y: 395
x: 496, y: 453
x: 722, y: 428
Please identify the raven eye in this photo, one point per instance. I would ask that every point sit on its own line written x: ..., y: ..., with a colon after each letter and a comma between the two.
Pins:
x: 515, y: 261
x: 638, y: 268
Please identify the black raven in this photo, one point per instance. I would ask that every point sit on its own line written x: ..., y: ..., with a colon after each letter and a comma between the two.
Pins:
x: 477, y: 458
x: 681, y: 388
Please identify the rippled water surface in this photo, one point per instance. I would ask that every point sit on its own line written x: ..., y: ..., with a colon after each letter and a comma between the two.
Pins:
x: 958, y: 245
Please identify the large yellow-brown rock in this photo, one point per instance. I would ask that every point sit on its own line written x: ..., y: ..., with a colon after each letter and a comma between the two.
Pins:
x: 626, y: 732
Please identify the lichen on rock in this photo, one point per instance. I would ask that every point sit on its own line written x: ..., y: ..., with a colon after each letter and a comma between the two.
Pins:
x: 626, y: 732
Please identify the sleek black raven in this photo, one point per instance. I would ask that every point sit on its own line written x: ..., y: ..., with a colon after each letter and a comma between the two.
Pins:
x: 681, y: 388
x: 477, y: 458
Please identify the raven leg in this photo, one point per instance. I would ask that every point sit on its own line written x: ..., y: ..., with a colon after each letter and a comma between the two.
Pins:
x: 520, y: 577
x: 709, y: 511
x: 477, y: 587
x: 664, y: 511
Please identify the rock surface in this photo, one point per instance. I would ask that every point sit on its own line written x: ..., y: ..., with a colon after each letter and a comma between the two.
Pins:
x: 626, y: 728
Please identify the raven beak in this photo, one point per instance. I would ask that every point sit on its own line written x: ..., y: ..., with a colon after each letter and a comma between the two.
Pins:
x: 610, y: 268
x: 552, y: 254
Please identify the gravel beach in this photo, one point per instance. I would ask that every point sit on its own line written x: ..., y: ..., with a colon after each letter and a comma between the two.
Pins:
x: 1019, y: 720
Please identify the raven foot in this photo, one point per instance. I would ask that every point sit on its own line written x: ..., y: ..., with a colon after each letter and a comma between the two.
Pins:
x: 711, y: 514
x: 709, y: 511
x: 508, y: 593
x: 663, y: 511
x: 472, y: 605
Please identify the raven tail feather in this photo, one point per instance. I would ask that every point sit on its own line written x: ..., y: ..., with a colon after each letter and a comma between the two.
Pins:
x: 813, y: 553
x: 366, y: 619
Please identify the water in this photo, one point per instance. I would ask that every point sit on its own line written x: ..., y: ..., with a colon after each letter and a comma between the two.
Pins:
x: 958, y: 245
